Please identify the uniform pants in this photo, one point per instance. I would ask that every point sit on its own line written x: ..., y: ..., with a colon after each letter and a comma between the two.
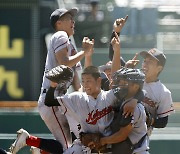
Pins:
x: 56, y: 122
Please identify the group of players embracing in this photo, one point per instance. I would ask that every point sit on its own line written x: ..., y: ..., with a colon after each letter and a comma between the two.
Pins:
x: 108, y: 113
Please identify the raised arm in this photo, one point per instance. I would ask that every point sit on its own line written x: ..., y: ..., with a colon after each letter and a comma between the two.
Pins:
x: 117, y: 27
x: 88, y: 56
x: 63, y: 58
x: 116, y: 64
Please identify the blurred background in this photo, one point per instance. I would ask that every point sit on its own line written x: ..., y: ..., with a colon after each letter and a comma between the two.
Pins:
x: 24, y: 33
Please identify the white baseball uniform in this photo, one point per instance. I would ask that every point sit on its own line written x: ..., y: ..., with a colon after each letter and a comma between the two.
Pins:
x: 138, y: 134
x: 139, y: 129
x: 94, y: 115
x: 161, y: 105
x: 55, y: 121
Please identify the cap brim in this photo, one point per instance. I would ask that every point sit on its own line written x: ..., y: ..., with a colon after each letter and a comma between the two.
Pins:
x: 145, y: 54
x: 72, y: 11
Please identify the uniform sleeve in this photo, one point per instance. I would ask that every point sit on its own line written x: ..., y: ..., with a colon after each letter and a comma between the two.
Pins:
x: 68, y: 103
x: 111, y: 98
x: 139, y: 116
x: 60, y: 41
x: 166, y: 105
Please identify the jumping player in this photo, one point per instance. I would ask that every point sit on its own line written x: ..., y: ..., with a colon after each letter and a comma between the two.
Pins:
x: 61, y: 51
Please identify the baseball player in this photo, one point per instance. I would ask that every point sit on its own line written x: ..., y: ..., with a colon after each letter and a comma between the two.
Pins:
x: 158, y: 101
x: 93, y: 109
x: 61, y: 51
x: 129, y: 134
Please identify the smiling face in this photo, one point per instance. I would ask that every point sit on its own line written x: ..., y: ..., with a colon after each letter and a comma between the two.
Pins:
x: 151, y: 69
x: 91, y: 85
x: 66, y: 23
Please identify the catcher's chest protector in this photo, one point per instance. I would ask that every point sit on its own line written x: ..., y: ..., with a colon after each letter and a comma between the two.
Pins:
x: 119, y: 121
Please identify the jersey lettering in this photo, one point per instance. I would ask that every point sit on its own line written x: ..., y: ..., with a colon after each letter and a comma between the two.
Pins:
x: 93, y: 117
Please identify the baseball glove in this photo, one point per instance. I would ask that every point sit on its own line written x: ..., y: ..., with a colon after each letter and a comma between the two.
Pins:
x: 149, y: 118
x: 59, y: 74
x: 88, y: 138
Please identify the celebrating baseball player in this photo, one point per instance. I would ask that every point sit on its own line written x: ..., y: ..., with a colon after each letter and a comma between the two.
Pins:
x: 61, y: 51
x: 129, y: 133
x: 87, y: 108
x: 92, y: 108
x: 158, y: 101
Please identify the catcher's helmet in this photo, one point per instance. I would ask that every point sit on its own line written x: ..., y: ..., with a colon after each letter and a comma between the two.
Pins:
x: 129, y: 74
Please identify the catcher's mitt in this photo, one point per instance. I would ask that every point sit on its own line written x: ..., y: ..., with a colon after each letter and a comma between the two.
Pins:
x: 88, y: 138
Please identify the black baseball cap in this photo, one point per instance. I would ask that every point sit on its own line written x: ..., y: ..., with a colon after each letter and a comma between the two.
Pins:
x: 156, y: 54
x: 60, y: 12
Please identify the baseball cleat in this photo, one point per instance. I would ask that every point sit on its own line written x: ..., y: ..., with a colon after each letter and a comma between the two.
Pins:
x: 35, y: 150
x: 2, y: 151
x: 20, y: 141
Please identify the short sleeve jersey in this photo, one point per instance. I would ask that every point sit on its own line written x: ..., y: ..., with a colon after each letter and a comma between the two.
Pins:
x: 139, y: 128
x: 161, y: 105
x: 58, y: 41
x: 94, y: 115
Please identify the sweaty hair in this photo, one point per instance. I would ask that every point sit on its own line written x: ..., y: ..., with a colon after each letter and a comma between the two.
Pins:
x: 92, y: 70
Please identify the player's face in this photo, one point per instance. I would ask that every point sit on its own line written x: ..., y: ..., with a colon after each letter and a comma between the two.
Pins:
x: 132, y: 87
x: 151, y: 69
x: 91, y: 85
x: 67, y: 24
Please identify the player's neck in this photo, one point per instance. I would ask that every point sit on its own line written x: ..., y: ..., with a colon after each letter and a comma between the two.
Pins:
x: 151, y: 79
x: 130, y: 95
x: 95, y: 95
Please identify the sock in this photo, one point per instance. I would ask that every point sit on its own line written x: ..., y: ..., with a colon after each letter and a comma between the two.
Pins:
x: 44, y: 152
x: 52, y: 146
x: 33, y: 141
x: 2, y: 151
